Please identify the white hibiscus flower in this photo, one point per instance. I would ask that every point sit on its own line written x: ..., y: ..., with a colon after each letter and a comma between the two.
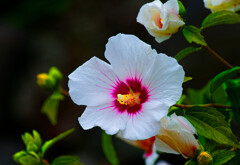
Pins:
x: 176, y: 136
x: 218, y: 5
x: 160, y: 20
x: 132, y: 94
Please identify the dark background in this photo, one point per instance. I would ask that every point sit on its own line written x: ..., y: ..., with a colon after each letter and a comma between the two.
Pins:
x: 38, y: 34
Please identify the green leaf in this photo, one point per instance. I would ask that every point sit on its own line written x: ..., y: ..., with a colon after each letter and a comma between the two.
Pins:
x: 50, y: 106
x: 27, y: 138
x: 182, y: 10
x: 202, y: 140
x: 18, y: 155
x: 37, y: 138
x: 29, y: 160
x: 66, y: 160
x: 51, y: 142
x: 222, y: 77
x: 222, y: 156
x: 233, y: 91
x: 211, y: 124
x: 186, y: 79
x: 183, y: 53
x: 202, y: 96
x: 108, y: 149
x: 210, y: 145
x: 221, y: 17
x: 193, y: 34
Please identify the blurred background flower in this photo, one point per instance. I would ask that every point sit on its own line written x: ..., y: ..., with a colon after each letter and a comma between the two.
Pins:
x: 35, y: 35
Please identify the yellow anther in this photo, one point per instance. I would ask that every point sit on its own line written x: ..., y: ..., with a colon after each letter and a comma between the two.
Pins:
x: 129, y: 99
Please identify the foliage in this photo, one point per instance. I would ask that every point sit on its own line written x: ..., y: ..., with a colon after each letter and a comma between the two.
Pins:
x: 51, y: 81
x: 183, y: 53
x: 222, y: 77
x: 35, y: 150
x: 210, y: 110
x: 221, y: 17
x: 108, y: 149
x: 211, y: 124
x: 193, y: 34
x: 233, y: 91
x: 66, y: 160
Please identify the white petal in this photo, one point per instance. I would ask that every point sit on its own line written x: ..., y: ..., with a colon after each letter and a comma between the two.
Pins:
x: 157, y: 3
x: 129, y: 56
x: 217, y: 2
x: 163, y: 147
x: 162, y: 38
x: 103, y: 116
x: 91, y: 83
x: 165, y: 80
x: 156, y: 108
x: 185, y: 142
x: 172, y: 6
x: 141, y: 126
x: 147, y: 11
x: 184, y: 123
x: 162, y: 162
x: 150, y: 160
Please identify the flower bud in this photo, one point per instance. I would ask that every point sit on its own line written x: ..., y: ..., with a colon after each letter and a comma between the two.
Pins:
x: 219, y: 5
x: 176, y: 136
x: 45, y: 81
x: 56, y: 74
x: 161, y: 20
x: 204, y: 159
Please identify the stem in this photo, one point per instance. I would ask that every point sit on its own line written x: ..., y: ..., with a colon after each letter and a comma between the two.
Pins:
x: 203, y: 105
x: 45, y: 162
x: 63, y: 91
x: 222, y: 60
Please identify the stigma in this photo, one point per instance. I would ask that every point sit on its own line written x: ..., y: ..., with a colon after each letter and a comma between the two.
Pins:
x: 129, y: 99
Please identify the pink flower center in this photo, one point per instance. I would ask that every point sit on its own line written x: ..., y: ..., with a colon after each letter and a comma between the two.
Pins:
x: 129, y: 96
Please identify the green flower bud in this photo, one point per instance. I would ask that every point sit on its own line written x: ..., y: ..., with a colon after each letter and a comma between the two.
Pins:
x: 56, y: 74
x: 32, y: 147
x: 32, y: 143
x: 45, y: 81
x: 204, y: 158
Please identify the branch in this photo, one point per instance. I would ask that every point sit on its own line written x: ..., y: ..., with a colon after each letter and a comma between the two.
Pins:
x: 203, y: 105
x: 63, y: 91
x: 219, y: 58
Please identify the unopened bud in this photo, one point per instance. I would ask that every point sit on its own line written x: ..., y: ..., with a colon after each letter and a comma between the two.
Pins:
x: 45, y: 81
x: 55, y: 73
x: 204, y: 159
